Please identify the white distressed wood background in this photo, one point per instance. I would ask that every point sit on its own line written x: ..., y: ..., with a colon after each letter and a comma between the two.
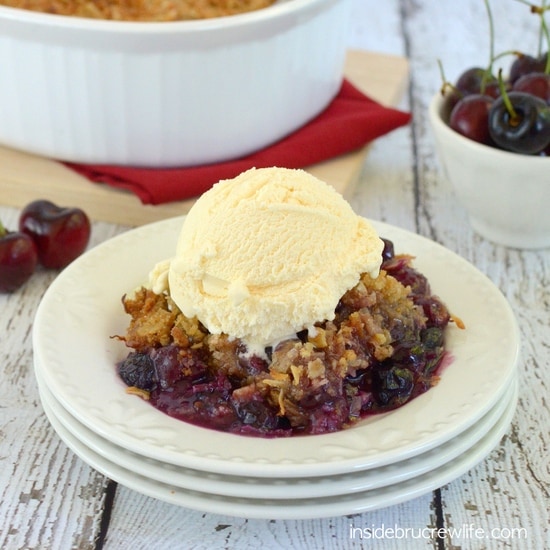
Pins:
x: 49, y: 499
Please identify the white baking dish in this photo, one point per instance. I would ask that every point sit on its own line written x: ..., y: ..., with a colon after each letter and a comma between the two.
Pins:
x: 167, y: 94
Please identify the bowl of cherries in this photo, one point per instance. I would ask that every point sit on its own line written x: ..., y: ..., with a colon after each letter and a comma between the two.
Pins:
x: 492, y: 136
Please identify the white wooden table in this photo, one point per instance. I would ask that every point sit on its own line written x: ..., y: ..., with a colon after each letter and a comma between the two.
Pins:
x: 50, y: 499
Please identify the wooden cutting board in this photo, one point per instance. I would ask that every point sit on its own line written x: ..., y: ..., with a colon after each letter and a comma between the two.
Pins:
x: 25, y: 177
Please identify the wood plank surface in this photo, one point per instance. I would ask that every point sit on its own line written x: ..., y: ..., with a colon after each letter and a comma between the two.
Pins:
x: 25, y: 177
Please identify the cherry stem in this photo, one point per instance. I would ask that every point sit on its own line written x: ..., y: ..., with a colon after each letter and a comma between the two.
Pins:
x: 3, y: 230
x: 507, y: 103
x: 540, y: 10
x: 546, y: 33
x: 446, y: 85
x: 487, y: 74
x: 516, y: 53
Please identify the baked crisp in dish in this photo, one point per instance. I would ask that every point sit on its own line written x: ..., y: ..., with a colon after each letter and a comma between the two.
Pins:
x: 384, y: 347
x: 140, y: 10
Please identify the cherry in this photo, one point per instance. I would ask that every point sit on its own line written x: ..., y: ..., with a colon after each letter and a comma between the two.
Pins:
x: 470, y: 117
x: 520, y: 123
x: 60, y: 234
x: 491, y: 89
x: 18, y: 259
x: 477, y: 81
x: 451, y: 98
x: 537, y: 84
x: 525, y: 64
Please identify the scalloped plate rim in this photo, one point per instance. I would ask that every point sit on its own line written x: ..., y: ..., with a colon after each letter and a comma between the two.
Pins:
x: 82, y: 375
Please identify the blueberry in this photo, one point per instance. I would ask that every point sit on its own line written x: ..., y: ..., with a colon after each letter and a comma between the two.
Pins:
x: 138, y: 370
x: 392, y: 385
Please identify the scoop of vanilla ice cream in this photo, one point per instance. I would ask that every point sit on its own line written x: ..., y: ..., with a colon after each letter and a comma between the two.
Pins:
x: 269, y: 253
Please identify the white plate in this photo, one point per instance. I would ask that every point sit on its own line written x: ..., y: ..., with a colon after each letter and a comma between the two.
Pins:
x: 276, y: 488
x: 82, y: 309
x: 294, y: 509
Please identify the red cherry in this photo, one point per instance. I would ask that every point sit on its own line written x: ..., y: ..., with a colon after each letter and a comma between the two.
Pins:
x: 18, y: 259
x: 537, y: 84
x: 451, y: 98
x: 470, y: 117
x: 472, y: 80
x: 525, y: 64
x: 60, y: 234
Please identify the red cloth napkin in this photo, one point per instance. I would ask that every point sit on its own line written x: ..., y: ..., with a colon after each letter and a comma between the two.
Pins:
x: 350, y: 121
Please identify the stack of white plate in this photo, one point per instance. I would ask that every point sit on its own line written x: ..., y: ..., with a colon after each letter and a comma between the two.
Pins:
x: 383, y: 460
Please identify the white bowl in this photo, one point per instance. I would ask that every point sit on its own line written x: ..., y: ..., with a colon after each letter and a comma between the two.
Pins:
x: 506, y: 195
x: 171, y: 93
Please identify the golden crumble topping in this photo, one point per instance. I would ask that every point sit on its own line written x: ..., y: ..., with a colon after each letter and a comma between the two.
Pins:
x: 140, y: 10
